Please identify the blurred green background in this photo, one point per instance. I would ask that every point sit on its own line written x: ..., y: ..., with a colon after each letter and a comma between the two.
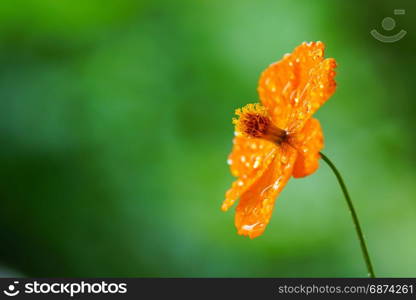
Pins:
x: 115, y: 126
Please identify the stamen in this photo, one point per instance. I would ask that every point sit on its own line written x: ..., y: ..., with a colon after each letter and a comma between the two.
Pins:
x: 254, y: 121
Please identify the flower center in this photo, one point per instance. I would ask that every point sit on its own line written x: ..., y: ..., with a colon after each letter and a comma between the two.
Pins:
x: 254, y: 121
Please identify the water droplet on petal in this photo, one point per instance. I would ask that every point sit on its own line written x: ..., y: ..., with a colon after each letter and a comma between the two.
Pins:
x: 277, y: 184
x: 249, y: 227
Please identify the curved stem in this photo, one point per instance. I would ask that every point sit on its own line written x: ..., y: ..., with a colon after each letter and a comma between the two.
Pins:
x: 353, y: 214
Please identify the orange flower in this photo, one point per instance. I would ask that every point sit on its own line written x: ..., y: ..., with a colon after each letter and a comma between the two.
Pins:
x: 278, y: 138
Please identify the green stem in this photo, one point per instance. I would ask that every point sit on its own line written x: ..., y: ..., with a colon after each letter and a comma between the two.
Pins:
x: 353, y: 214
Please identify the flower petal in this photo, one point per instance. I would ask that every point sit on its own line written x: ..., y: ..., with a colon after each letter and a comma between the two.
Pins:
x: 248, y: 160
x: 309, y: 141
x: 295, y: 87
x: 256, y: 204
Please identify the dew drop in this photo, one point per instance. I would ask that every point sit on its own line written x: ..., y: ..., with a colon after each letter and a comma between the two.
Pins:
x: 249, y: 227
x: 265, y: 190
x: 277, y: 184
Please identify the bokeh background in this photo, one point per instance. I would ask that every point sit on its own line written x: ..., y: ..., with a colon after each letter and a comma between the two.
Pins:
x: 115, y: 128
